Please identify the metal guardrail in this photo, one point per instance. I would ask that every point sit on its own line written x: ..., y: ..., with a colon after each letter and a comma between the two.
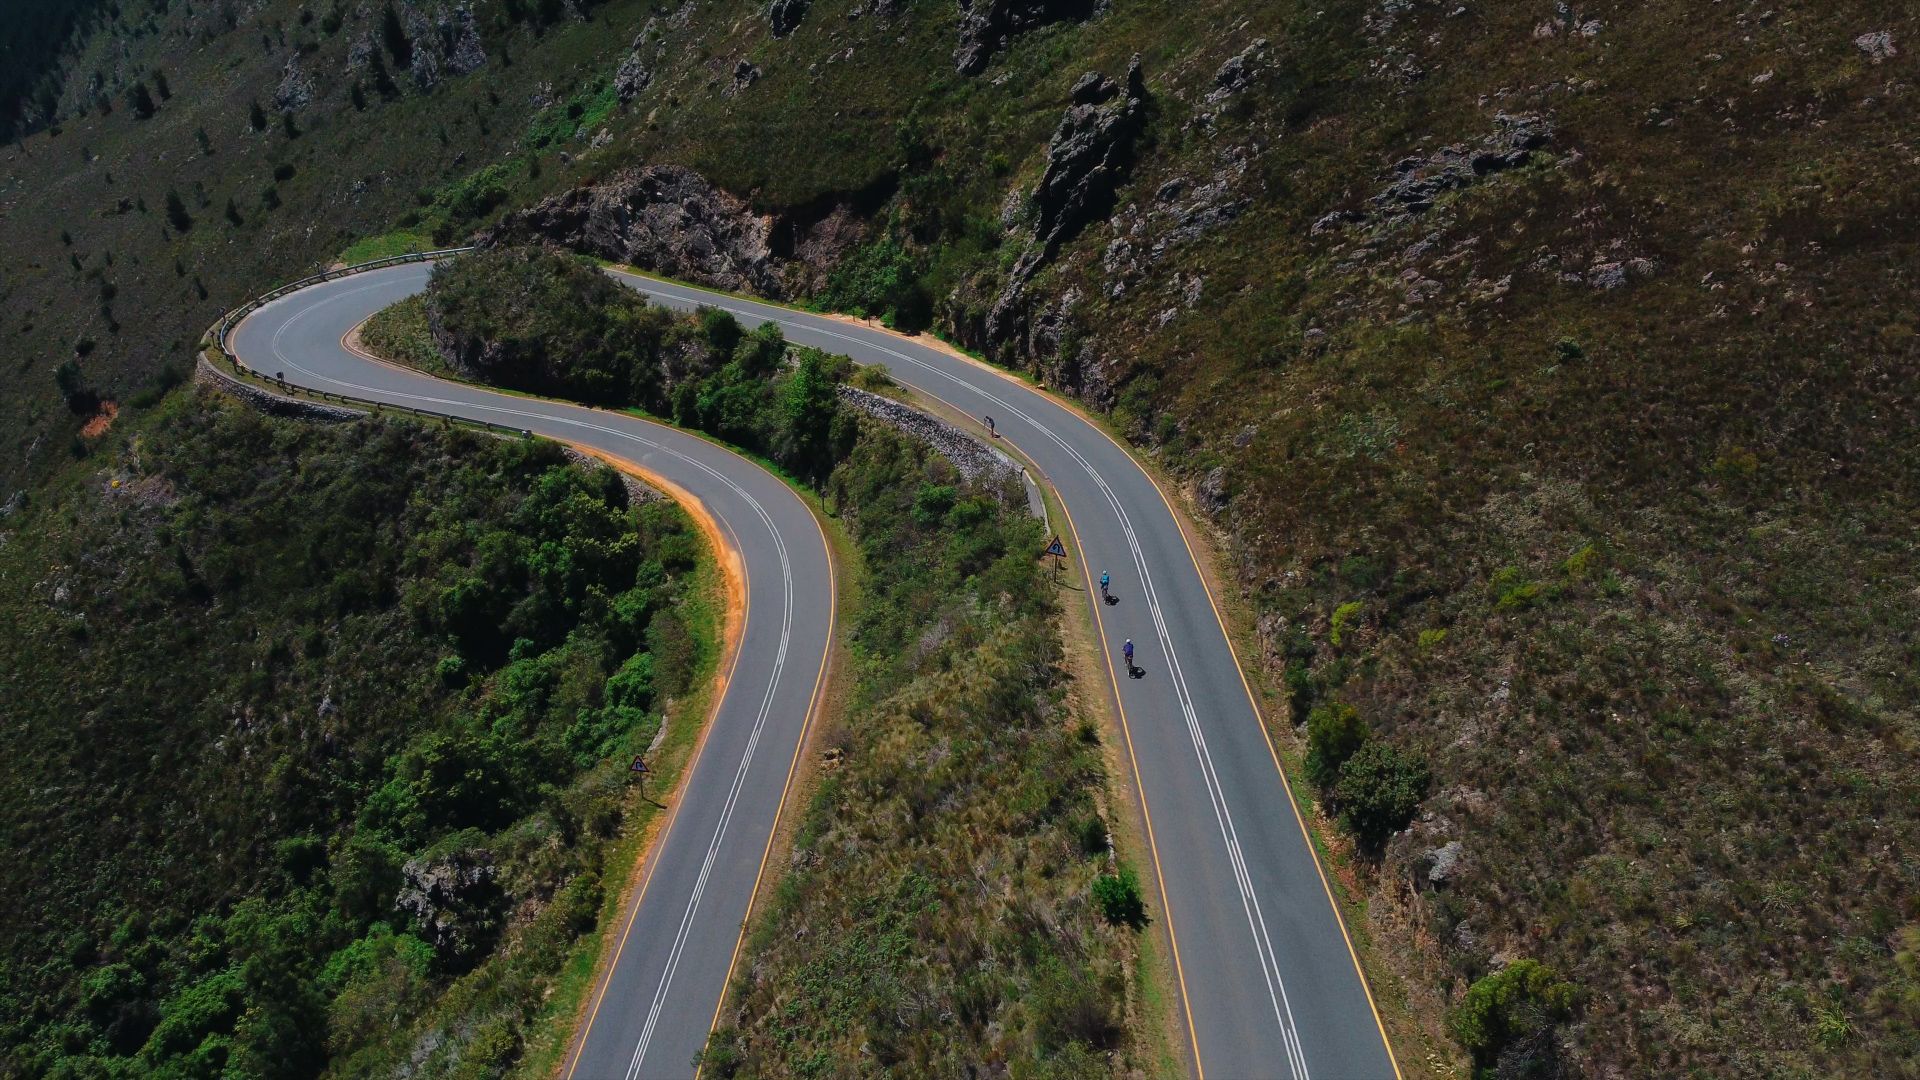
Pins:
x: 217, y: 335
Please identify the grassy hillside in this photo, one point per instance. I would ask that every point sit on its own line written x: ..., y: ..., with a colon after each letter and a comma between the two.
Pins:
x: 314, y: 735
x: 1547, y: 370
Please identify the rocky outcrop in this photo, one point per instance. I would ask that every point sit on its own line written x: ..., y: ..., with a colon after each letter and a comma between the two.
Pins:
x: 745, y: 74
x: 784, y: 15
x: 1237, y: 73
x: 1877, y: 45
x: 1180, y: 212
x: 455, y: 900
x: 1416, y: 181
x: 1089, y: 154
x: 668, y: 219
x: 986, y: 25
x: 633, y: 76
x: 445, y: 43
x: 295, y: 91
x: 1087, y: 160
x: 663, y: 218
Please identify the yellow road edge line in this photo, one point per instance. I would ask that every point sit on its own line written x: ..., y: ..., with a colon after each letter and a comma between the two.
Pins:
x: 733, y: 565
x: 1273, y: 751
x: 814, y: 708
x: 1219, y: 620
x: 1133, y: 759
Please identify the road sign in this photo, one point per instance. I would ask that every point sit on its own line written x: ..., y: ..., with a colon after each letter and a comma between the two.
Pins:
x: 640, y: 764
x: 1057, y: 549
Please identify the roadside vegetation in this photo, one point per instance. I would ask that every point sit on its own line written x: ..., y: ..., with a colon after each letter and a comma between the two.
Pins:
x: 318, y: 740
x: 554, y: 324
x: 942, y: 909
x: 952, y: 862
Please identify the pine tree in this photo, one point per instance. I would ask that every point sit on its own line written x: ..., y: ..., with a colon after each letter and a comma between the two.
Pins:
x: 256, y: 116
x: 140, y: 101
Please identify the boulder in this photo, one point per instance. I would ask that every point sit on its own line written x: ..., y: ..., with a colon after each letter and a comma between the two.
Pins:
x: 784, y: 15
x: 1237, y: 73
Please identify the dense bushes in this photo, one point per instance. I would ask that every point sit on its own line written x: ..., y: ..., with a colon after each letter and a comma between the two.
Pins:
x: 546, y: 323
x: 880, y: 279
x: 553, y: 324
x: 328, y: 713
x: 1378, y: 791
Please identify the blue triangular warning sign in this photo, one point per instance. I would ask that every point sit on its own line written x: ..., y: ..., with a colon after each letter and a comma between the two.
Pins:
x: 1057, y: 548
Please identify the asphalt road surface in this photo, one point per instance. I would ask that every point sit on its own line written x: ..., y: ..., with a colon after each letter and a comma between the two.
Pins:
x: 677, y: 938
x: 1268, y: 979
x: 1268, y: 984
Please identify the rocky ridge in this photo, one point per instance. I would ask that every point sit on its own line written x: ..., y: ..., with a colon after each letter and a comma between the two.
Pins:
x: 987, y: 25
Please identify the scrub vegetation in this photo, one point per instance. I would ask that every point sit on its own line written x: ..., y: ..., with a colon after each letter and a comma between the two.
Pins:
x: 1548, y: 373
x: 319, y: 740
x: 952, y: 862
x: 943, y: 907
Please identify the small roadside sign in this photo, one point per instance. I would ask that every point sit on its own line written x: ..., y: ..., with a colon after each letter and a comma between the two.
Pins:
x: 640, y: 764
x: 1057, y: 549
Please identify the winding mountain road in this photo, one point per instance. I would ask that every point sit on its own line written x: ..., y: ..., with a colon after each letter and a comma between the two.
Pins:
x: 1268, y: 983
x: 677, y: 937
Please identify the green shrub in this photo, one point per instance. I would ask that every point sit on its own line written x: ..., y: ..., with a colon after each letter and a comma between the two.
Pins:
x: 1335, y: 732
x: 880, y: 279
x: 1518, y: 1001
x: 1343, y: 617
x: 1117, y: 895
x: 1513, y: 591
x: 1378, y: 792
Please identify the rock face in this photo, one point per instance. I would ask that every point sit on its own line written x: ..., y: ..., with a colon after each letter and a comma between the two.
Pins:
x: 1415, y: 182
x: 664, y: 218
x: 668, y: 219
x: 1089, y: 154
x: 784, y: 15
x: 1086, y: 161
x: 455, y: 899
x: 986, y: 25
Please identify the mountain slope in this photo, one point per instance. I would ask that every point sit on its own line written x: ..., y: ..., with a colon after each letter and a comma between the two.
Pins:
x: 1548, y: 371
